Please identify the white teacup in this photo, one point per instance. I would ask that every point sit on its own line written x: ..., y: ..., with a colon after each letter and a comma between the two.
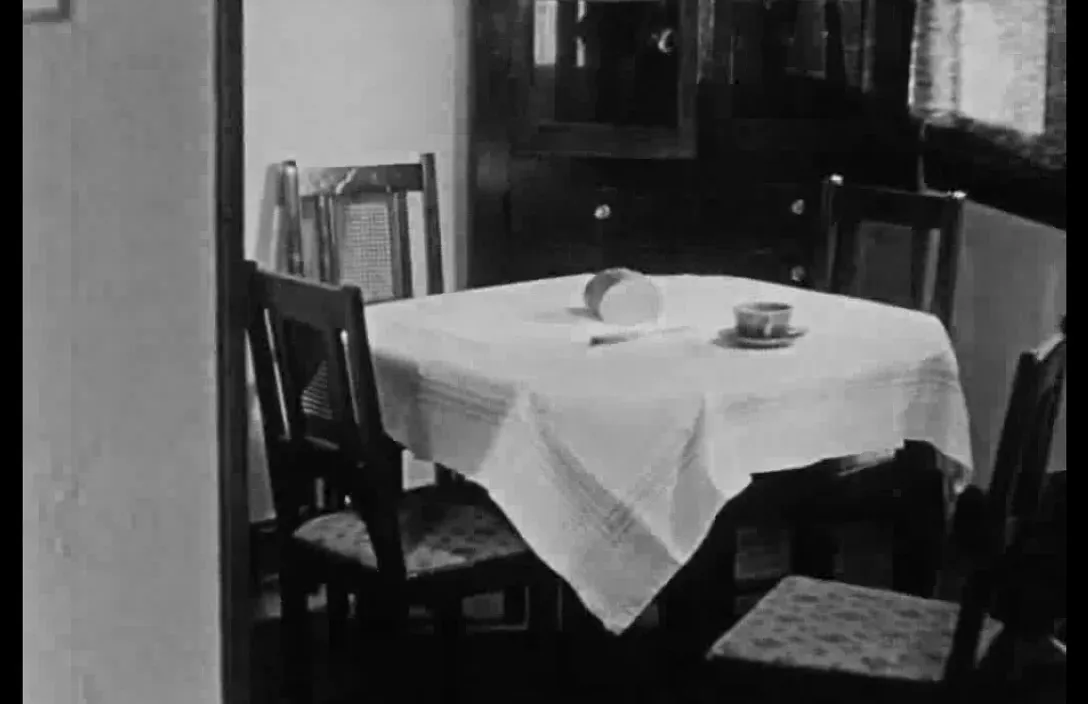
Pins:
x: 763, y: 319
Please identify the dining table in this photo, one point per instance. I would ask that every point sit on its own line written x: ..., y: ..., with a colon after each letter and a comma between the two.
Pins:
x: 613, y: 460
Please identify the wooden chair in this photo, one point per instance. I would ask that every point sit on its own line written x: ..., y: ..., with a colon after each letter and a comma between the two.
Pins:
x: 845, y: 643
x: 351, y: 225
x: 393, y: 547
x: 935, y: 261
x: 870, y: 487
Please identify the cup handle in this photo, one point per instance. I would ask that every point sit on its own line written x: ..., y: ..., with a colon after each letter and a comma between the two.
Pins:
x: 768, y: 327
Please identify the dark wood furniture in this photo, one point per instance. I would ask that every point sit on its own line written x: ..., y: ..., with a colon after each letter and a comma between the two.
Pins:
x: 899, y: 493
x: 911, y: 649
x: 392, y: 548
x: 880, y: 487
x: 615, y: 78
x: 800, y: 516
x: 935, y: 221
x: 677, y: 135
x: 350, y: 225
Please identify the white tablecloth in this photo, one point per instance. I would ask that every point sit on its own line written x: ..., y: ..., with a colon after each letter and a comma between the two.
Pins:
x: 613, y: 461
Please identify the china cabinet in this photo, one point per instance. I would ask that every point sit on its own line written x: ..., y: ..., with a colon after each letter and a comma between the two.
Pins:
x: 677, y: 135
x: 606, y: 78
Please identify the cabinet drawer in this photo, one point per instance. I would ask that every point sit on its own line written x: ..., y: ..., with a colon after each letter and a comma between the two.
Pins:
x: 764, y: 231
x: 556, y: 210
x: 660, y: 221
x: 765, y: 213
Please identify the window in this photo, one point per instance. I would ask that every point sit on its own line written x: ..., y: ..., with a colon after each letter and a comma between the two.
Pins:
x: 997, y: 65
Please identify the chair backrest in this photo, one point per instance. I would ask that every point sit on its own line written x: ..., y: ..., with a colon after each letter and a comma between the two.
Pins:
x: 350, y: 224
x: 1023, y: 451
x: 1013, y: 499
x: 291, y: 323
x: 935, y: 261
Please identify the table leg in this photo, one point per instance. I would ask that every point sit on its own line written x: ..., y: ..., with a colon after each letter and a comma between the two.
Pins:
x: 582, y: 639
x: 697, y: 604
x: 514, y: 605
x: 920, y: 522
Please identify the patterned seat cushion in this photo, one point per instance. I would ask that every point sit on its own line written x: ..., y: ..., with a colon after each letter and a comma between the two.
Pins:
x: 435, y: 535
x: 822, y: 625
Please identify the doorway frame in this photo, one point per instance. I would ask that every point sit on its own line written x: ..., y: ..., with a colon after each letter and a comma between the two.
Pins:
x: 231, y: 421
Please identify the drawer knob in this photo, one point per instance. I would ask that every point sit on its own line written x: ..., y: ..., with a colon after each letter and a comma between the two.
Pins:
x: 797, y: 274
x: 797, y: 207
x: 603, y: 212
x: 666, y: 41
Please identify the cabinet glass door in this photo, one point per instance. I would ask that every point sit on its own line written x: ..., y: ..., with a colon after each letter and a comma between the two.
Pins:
x: 607, y: 77
x: 800, y: 58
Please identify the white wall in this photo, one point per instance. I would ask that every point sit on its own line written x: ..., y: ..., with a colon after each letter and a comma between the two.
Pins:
x: 351, y: 82
x: 341, y: 82
x: 1011, y: 295
x: 120, y: 563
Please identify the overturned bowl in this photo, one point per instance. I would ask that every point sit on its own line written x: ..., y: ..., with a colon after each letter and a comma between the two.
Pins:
x: 623, y: 297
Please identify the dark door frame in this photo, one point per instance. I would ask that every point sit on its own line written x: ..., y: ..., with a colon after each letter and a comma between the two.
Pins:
x: 232, y: 425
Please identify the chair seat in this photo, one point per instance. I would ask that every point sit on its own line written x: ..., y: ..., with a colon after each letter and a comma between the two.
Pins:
x: 437, y: 535
x: 831, y: 626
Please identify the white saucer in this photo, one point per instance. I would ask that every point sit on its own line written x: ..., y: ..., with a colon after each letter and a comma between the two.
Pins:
x: 764, y: 343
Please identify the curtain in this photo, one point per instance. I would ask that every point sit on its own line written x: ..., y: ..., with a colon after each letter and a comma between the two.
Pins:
x: 995, y: 68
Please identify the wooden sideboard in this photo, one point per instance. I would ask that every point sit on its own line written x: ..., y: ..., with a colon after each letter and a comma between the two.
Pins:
x: 677, y: 135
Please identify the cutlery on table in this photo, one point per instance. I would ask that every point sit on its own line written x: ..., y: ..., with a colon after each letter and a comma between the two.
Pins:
x: 628, y: 335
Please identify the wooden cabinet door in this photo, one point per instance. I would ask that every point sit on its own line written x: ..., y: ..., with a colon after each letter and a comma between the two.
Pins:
x: 611, y: 78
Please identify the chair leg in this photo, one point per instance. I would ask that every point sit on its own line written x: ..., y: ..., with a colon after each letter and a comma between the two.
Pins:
x: 382, y: 624
x: 295, y: 646
x: 543, y: 625
x: 450, y: 630
x: 514, y: 605
x: 336, y: 596
x: 336, y: 613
